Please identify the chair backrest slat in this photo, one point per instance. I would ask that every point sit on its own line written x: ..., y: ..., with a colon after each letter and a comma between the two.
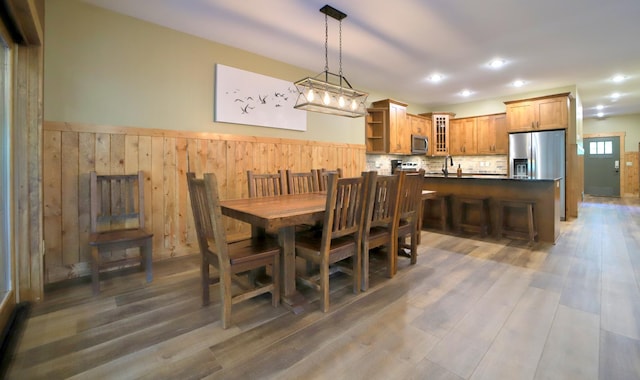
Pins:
x: 410, y: 194
x: 323, y: 175
x: 267, y: 184
x: 382, y: 203
x: 345, y: 207
x: 207, y: 215
x: 117, y: 201
x: 303, y: 182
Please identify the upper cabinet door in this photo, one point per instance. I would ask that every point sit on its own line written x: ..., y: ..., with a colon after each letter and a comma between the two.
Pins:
x: 550, y: 112
x: 492, y: 134
x: 463, y: 136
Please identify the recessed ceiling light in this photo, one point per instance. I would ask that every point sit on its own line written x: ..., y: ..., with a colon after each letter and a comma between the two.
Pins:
x: 497, y: 63
x: 518, y: 83
x: 435, y: 78
x: 615, y: 95
x: 600, y: 114
x: 619, y: 78
x: 599, y: 107
x: 465, y: 93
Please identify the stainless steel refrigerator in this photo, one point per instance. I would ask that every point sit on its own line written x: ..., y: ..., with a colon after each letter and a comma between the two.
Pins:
x: 539, y: 155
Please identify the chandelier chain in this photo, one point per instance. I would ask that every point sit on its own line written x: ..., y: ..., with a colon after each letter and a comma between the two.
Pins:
x: 326, y: 44
x: 340, y: 53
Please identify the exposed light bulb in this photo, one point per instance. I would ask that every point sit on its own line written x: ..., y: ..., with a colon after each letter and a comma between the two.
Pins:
x: 354, y: 105
x: 310, y: 95
x: 436, y: 78
x: 326, y: 99
x: 619, y: 78
x: 497, y: 63
x: 341, y: 101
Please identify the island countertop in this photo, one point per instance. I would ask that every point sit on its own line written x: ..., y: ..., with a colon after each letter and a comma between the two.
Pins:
x: 487, y: 176
x: 545, y: 193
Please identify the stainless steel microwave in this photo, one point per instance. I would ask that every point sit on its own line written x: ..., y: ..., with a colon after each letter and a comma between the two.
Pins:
x: 419, y: 144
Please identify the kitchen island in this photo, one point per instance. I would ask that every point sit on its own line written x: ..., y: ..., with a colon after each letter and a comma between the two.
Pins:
x: 545, y: 193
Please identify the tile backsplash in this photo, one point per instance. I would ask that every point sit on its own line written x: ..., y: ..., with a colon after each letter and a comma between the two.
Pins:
x: 493, y: 164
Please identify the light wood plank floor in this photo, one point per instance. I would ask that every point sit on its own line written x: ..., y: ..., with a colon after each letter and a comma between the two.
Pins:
x: 470, y: 309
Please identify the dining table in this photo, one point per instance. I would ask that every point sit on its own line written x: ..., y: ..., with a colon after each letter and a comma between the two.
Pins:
x: 281, y: 213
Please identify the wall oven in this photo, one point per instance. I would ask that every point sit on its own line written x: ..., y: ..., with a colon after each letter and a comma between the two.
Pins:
x: 419, y: 144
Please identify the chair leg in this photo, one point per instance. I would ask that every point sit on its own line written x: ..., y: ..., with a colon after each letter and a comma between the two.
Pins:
x: 275, y: 277
x: 95, y: 270
x: 414, y: 247
x: 204, y: 280
x: 365, y: 267
x: 357, y: 269
x: 324, y: 287
x: 225, y: 298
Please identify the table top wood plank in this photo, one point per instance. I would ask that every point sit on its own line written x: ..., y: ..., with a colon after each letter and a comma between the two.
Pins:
x: 279, y: 211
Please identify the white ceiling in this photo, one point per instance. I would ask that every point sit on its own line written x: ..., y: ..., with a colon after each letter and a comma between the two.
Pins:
x: 390, y: 47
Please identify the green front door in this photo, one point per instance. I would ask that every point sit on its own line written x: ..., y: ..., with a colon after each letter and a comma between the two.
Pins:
x: 602, y: 166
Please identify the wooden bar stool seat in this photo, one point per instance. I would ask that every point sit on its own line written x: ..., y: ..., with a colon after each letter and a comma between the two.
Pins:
x: 506, y: 213
x: 440, y: 219
x: 466, y: 206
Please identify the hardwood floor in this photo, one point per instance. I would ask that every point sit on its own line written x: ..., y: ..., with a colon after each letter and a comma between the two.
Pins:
x: 470, y: 309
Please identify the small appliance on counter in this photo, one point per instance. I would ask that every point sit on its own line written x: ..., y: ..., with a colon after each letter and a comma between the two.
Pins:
x: 409, y: 166
x: 395, y: 166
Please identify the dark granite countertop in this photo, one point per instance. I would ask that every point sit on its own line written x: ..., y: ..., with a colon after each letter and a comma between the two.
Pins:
x: 486, y: 177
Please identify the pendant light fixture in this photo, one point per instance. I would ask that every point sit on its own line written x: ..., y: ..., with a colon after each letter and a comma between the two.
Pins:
x: 328, y: 92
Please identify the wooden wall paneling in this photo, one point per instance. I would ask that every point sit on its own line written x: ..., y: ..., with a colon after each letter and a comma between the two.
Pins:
x: 170, y: 209
x: 69, y: 158
x: 130, y: 166
x: 144, y: 164
x: 103, y: 153
x: 117, y: 154
x: 157, y: 193
x: 20, y: 140
x: 164, y: 157
x: 182, y: 147
x: 86, y: 163
x: 52, y: 201
x: 632, y: 182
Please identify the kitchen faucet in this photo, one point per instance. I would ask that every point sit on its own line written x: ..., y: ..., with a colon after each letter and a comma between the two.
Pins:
x: 445, y: 170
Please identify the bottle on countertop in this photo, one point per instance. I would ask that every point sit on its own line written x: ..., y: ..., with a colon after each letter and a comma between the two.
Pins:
x: 459, y: 171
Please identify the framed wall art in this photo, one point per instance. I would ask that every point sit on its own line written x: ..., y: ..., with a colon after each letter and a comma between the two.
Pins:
x: 243, y: 97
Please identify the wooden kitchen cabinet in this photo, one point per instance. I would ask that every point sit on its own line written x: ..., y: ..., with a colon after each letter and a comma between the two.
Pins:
x: 376, y: 133
x: 439, y: 143
x: 421, y: 126
x: 493, y: 137
x: 544, y: 113
x: 463, y: 139
x: 398, y: 130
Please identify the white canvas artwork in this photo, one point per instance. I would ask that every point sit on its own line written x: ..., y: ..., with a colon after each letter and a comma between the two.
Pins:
x: 243, y: 97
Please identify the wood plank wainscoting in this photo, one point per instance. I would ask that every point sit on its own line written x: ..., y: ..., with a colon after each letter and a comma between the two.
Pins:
x: 72, y: 150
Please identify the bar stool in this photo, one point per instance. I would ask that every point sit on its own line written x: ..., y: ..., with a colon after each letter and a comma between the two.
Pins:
x: 507, y: 206
x: 467, y: 203
x: 442, y: 203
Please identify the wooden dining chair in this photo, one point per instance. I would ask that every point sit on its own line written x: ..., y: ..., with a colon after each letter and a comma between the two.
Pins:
x: 410, y: 200
x: 340, y: 237
x: 302, y: 182
x: 117, y: 224
x: 230, y: 259
x: 267, y: 184
x: 380, y: 223
x: 323, y: 176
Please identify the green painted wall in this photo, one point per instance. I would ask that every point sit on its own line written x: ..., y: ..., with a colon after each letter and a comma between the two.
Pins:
x: 628, y: 124
x: 109, y: 69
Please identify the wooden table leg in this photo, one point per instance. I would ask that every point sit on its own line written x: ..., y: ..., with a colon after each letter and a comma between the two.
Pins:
x: 291, y: 298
